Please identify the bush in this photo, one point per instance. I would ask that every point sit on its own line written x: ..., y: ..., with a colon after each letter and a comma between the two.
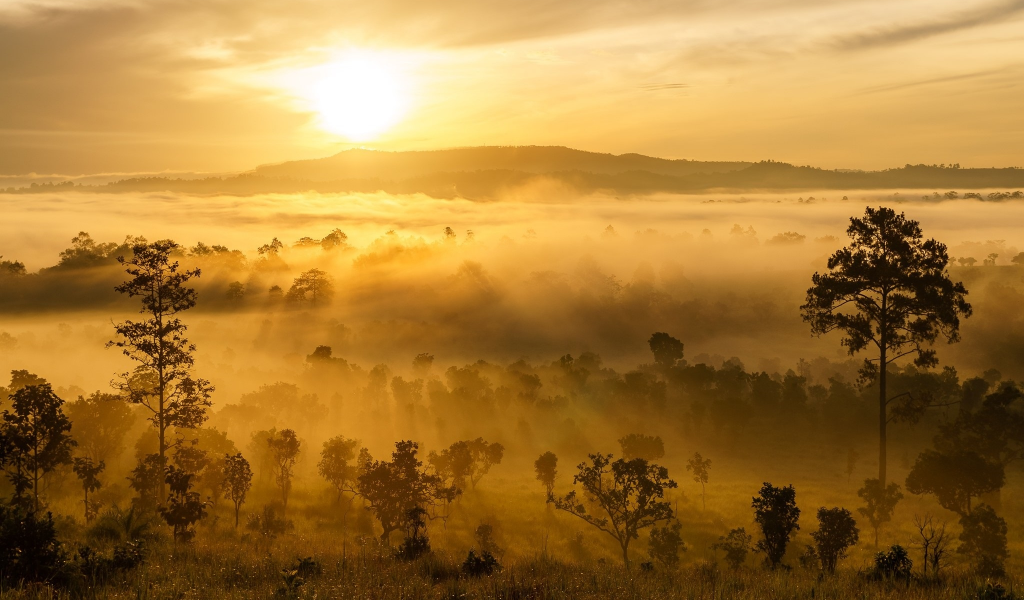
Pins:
x: 736, y: 546
x: 666, y: 544
x: 837, y: 531
x: 776, y: 512
x: 29, y: 548
x: 894, y: 564
x: 268, y: 523
x: 97, y: 568
x: 477, y: 566
x: 983, y: 540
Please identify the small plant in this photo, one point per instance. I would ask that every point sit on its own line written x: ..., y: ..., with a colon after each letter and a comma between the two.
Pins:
x: 996, y: 591
x: 837, y: 531
x: 894, y: 564
x: 478, y: 566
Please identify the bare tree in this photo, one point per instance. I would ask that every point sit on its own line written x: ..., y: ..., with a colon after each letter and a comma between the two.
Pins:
x: 934, y: 543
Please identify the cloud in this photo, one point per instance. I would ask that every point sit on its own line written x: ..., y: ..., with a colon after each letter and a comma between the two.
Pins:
x: 900, y: 34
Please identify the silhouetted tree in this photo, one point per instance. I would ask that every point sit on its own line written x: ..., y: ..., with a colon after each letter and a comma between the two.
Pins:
x: 546, y: 468
x: 318, y: 284
x: 954, y: 478
x: 237, y: 481
x: 699, y: 466
x: 466, y: 461
x: 146, y: 480
x: 983, y: 541
x: 879, y: 503
x: 994, y: 428
x: 162, y: 382
x: 837, y: 531
x: 100, y: 423
x: 665, y: 545
x: 284, y: 447
x: 888, y: 289
x: 667, y: 350
x: 35, y: 439
x: 934, y: 543
x: 337, y: 464
x: 736, y: 545
x: 183, y: 508
x: 775, y: 511
x: 394, y: 488
x: 629, y: 493
x: 638, y: 445
x: 88, y: 473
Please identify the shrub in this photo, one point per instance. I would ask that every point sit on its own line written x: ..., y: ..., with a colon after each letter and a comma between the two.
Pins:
x: 776, y: 512
x: 837, y: 531
x: 894, y: 564
x: 477, y: 566
x: 29, y: 548
x: 736, y: 545
x: 983, y: 540
x: 666, y: 544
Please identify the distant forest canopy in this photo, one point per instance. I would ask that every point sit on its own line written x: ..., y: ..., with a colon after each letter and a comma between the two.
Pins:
x: 485, y: 173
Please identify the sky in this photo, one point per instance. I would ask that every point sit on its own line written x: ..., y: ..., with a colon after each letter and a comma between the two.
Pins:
x: 125, y: 86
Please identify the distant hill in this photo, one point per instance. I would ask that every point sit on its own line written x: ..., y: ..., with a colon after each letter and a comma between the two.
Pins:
x: 375, y: 164
x: 486, y: 173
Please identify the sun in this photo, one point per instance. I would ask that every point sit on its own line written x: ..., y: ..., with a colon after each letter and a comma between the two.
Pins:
x: 359, y: 96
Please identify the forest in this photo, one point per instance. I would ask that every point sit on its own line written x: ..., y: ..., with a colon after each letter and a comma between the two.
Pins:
x: 468, y: 415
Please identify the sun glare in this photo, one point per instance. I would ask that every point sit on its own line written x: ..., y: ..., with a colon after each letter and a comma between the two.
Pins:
x: 359, y: 96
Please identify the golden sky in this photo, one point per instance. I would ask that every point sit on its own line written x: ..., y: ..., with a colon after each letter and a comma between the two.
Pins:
x: 212, y: 85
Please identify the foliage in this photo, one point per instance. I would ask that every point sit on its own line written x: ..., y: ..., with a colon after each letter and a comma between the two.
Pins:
x: 638, y: 445
x: 416, y: 542
x: 162, y: 381
x: 699, y: 466
x: 546, y: 467
x: 336, y: 466
x: 776, y: 513
x: 36, y: 440
x: 629, y: 493
x: 394, y: 488
x: 146, y: 480
x: 237, y: 481
x: 480, y: 565
x: 100, y: 424
x: 879, y: 503
x: 894, y: 564
x: 955, y: 478
x: 466, y: 461
x: 314, y: 282
x: 284, y: 447
x: 122, y: 526
x: 29, y: 548
x: 837, y: 532
x: 666, y: 349
x: 888, y: 289
x: 183, y: 508
x: 268, y: 523
x: 665, y: 545
x: 736, y: 545
x: 983, y: 541
x: 88, y: 474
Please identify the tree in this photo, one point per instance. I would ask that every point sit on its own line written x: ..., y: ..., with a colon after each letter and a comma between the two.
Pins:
x: 638, y: 445
x: 284, y: 447
x: 466, y: 461
x: 888, y: 289
x: 666, y: 544
x: 88, y: 473
x: 880, y: 503
x: 237, y: 481
x: 146, y: 480
x: 546, y: 468
x: 934, y: 543
x: 627, y: 496
x: 699, y: 466
x: 851, y: 462
x: 35, y: 434
x: 775, y: 511
x: 184, y: 508
x: 736, y: 545
x: 983, y: 541
x: 837, y: 531
x: 100, y: 423
x: 162, y: 382
x: 994, y: 428
x: 314, y: 282
x: 954, y: 478
x: 337, y: 464
x: 396, y: 489
x: 667, y: 350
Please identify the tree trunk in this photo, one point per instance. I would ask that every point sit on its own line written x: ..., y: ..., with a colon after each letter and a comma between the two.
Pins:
x: 882, y: 413
x: 625, y: 554
x: 236, y: 515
